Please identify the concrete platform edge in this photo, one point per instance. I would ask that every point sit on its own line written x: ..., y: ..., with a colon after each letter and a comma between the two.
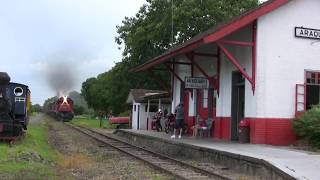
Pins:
x: 251, y: 160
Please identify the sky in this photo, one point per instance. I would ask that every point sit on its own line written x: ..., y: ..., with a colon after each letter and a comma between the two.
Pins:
x: 42, y: 36
x: 39, y: 36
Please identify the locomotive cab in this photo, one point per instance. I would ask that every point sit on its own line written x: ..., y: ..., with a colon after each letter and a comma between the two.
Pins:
x: 14, y: 108
x: 21, y: 100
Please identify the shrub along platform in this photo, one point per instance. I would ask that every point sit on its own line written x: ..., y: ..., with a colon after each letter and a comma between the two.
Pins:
x: 265, y: 161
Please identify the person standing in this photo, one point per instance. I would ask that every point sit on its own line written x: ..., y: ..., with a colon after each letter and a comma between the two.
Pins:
x: 179, y: 121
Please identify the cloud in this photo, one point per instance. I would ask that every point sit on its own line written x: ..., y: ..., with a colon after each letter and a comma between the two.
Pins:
x: 35, y: 34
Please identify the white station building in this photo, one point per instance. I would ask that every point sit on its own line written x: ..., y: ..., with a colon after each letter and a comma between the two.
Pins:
x: 262, y: 66
x: 145, y: 103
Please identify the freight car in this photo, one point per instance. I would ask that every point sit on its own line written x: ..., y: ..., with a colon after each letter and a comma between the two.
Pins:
x: 62, y: 109
x: 14, y: 108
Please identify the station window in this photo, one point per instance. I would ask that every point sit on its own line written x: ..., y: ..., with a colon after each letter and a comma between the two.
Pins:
x: 153, y: 108
x: 134, y: 108
x: 313, y: 89
x: 313, y: 78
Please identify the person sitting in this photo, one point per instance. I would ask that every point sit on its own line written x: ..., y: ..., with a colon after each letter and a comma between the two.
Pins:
x: 200, y: 125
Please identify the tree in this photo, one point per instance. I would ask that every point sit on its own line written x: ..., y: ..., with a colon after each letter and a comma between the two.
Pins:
x: 36, y: 108
x: 148, y: 34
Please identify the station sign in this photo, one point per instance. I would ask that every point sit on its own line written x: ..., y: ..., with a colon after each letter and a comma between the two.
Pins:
x: 309, y: 33
x: 196, y: 83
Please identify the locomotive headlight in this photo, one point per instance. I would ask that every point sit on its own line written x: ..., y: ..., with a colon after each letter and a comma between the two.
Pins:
x: 65, y: 100
x: 18, y: 91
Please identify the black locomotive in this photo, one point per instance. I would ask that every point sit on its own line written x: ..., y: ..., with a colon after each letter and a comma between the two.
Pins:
x: 14, y: 108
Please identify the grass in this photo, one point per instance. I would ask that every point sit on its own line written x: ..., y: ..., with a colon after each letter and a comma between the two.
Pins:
x: 30, y: 157
x: 92, y: 123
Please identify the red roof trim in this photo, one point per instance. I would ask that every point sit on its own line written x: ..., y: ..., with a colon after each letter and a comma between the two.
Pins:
x: 172, y: 54
x: 245, y: 20
x: 217, y: 34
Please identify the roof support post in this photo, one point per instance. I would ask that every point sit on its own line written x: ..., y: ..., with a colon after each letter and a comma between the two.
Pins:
x: 234, y: 62
x: 191, y: 58
x: 252, y: 44
x: 174, y: 73
x: 254, y: 48
x: 218, y: 70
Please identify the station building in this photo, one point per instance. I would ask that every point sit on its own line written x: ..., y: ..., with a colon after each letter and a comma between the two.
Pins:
x: 262, y: 66
x: 145, y: 103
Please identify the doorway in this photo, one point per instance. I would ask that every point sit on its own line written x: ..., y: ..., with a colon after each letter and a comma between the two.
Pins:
x: 237, y: 103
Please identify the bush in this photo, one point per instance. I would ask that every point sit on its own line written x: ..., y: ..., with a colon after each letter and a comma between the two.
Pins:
x: 308, y: 126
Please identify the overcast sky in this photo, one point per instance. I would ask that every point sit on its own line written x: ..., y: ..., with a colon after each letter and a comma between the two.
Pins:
x: 79, y: 34
x: 36, y: 33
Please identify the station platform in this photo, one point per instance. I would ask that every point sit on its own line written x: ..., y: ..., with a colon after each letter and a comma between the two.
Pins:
x: 286, y: 162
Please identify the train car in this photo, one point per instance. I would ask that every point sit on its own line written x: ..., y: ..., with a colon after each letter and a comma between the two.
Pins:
x: 14, y: 108
x: 62, y: 109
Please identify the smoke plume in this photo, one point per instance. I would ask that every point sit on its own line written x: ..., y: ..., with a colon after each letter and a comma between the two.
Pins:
x: 61, y: 77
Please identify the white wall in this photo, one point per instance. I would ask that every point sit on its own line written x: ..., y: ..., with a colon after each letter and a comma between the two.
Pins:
x: 283, y: 58
x: 143, y: 117
x: 135, y: 116
x: 182, y: 71
x: 208, y: 64
x: 243, y: 57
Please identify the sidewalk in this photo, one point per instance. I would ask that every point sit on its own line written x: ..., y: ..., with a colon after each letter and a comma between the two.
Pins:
x: 299, y: 164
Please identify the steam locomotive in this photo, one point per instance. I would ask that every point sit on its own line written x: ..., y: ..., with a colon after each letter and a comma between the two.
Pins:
x: 62, y: 109
x: 14, y: 108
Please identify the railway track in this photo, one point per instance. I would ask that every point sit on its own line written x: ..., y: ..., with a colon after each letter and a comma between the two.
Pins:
x: 161, y: 162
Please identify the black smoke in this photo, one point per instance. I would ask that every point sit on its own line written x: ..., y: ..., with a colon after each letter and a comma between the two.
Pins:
x: 61, y: 77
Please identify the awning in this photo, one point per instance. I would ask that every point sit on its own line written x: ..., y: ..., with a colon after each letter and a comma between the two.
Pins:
x: 214, y: 34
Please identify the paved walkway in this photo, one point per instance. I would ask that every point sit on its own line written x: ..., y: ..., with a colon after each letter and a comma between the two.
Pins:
x: 299, y: 164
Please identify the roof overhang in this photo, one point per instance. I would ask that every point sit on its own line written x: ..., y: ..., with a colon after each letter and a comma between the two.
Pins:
x: 214, y: 34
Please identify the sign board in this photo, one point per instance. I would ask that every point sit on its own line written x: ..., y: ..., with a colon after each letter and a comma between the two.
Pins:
x: 302, y: 32
x: 196, y: 83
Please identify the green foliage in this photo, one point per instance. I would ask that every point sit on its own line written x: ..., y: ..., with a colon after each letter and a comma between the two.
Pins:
x: 308, y: 126
x: 147, y: 35
x: 30, y: 158
x: 36, y: 108
x: 92, y: 123
x: 78, y: 110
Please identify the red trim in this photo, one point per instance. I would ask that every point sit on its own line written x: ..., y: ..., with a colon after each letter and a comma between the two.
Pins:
x: 181, y: 63
x: 191, y: 58
x: 222, y: 128
x: 205, y: 54
x: 297, y: 112
x: 238, y: 43
x: 273, y: 131
x: 243, y: 21
x: 234, y: 62
x: 163, y: 58
x: 216, y: 33
x: 218, y: 71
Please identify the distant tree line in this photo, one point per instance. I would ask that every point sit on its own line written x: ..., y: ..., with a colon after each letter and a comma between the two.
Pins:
x: 148, y: 34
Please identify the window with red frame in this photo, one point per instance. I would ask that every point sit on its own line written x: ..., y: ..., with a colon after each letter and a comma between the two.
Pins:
x: 313, y: 78
x: 312, y: 89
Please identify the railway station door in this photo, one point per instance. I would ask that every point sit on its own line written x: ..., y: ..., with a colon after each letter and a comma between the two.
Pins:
x: 237, y: 103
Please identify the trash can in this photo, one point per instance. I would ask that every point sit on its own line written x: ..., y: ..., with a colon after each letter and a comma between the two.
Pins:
x: 244, y: 131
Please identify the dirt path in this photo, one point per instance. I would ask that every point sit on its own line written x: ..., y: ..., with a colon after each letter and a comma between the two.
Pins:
x: 84, y: 158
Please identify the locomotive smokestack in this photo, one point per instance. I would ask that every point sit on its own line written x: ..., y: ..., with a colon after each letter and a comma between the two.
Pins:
x: 4, y: 78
